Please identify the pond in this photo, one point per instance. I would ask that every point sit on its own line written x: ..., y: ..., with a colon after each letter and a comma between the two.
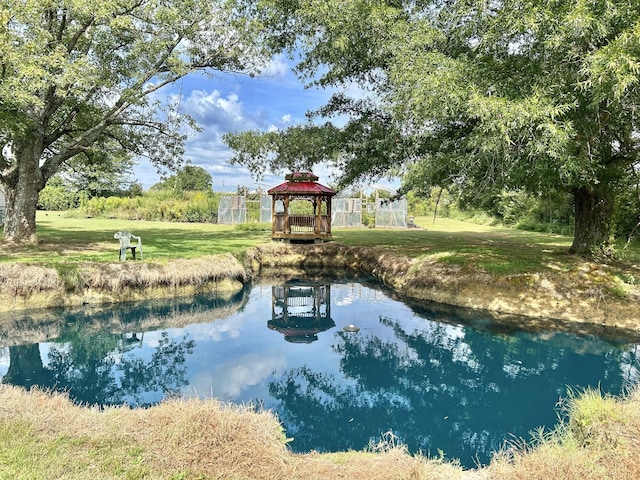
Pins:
x: 440, y: 380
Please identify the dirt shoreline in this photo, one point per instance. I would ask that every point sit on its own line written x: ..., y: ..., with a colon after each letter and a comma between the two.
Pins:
x: 589, y: 295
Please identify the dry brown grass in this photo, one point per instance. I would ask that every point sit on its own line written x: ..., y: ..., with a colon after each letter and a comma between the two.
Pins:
x: 26, y: 287
x: 45, y: 436
x: 23, y: 279
x: 194, y: 271
x: 601, y: 440
x: 177, y: 439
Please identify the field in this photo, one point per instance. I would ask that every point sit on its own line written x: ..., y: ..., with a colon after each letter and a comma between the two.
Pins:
x: 496, y: 250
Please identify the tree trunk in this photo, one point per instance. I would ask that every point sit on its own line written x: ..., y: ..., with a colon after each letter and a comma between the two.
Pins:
x: 593, y: 222
x: 21, y: 190
x: 26, y: 368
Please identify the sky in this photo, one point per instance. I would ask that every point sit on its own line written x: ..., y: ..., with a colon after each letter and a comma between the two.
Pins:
x: 234, y: 103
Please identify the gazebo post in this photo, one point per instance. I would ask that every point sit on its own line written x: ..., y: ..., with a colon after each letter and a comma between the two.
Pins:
x: 317, y: 212
x: 287, y: 223
x: 274, y: 219
x: 329, y: 215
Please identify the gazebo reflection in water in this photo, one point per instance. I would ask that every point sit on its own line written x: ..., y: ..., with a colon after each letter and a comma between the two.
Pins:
x: 301, y: 310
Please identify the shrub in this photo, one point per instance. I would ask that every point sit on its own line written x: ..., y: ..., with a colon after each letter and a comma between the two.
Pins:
x: 156, y: 205
x: 58, y: 198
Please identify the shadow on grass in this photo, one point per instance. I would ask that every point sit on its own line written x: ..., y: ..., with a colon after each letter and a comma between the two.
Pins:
x: 496, y: 250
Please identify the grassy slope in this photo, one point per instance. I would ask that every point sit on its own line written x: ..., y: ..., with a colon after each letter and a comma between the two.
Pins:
x: 63, y: 238
x: 447, y: 261
x: 46, y: 437
x: 496, y: 250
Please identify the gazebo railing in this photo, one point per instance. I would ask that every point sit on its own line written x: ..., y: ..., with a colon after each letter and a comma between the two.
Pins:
x: 302, y: 224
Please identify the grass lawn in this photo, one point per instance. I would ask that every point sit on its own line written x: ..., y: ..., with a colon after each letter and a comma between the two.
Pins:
x: 494, y: 249
x: 67, y: 239
x: 497, y: 250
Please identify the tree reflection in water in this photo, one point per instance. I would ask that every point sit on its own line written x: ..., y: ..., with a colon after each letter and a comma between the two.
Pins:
x: 438, y: 379
x: 442, y: 387
x: 93, y: 368
x: 96, y: 366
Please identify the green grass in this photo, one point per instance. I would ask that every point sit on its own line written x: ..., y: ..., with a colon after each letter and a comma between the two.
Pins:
x: 66, y: 239
x: 492, y: 249
x: 496, y: 250
x: 25, y: 454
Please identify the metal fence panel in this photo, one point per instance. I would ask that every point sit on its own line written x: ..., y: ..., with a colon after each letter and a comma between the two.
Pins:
x: 346, y: 212
x: 391, y: 214
x: 232, y: 210
x: 265, y: 209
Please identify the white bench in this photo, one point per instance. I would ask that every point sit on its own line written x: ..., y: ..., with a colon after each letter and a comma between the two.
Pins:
x: 125, y: 243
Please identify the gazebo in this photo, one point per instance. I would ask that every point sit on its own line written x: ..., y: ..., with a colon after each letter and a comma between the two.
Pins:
x: 301, y: 209
x: 301, y: 310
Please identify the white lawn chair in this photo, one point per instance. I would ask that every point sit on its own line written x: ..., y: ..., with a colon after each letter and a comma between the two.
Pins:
x: 125, y: 243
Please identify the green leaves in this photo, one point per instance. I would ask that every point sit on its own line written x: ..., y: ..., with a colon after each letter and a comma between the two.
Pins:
x: 531, y: 94
x: 613, y: 71
x: 107, y: 57
x: 79, y: 77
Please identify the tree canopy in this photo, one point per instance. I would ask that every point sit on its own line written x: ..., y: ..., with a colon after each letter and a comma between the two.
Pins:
x: 188, y: 178
x: 511, y: 94
x: 82, y: 78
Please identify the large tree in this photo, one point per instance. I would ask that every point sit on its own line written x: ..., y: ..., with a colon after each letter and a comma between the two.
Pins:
x: 188, y: 178
x: 80, y: 76
x: 512, y: 93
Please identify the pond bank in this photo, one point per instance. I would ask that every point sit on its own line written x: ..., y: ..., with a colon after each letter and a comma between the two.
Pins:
x: 588, y: 294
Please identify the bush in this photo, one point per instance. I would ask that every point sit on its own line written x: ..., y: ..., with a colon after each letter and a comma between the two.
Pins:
x: 627, y: 215
x: 156, y: 205
x: 58, y: 198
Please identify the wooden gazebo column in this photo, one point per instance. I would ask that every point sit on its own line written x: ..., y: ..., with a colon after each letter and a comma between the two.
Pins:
x: 317, y: 211
x: 287, y: 222
x: 274, y: 217
x: 328, y: 200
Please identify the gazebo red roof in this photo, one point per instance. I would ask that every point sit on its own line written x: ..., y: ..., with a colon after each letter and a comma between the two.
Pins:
x: 301, y: 183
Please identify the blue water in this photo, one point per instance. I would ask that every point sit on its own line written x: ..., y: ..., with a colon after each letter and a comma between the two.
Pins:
x: 440, y: 380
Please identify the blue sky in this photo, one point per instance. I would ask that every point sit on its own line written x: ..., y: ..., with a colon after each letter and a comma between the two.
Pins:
x: 228, y: 103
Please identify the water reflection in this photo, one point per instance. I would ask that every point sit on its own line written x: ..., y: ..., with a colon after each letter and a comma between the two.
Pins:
x: 92, y: 356
x: 300, y: 310
x: 441, y: 387
x: 439, y: 379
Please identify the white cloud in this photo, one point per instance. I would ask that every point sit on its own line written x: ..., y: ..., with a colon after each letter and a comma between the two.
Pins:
x: 214, y: 111
x: 234, y: 103
x: 227, y: 381
x: 277, y: 67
